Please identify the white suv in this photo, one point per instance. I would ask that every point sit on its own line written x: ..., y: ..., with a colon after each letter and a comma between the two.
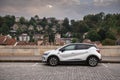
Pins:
x: 73, y: 52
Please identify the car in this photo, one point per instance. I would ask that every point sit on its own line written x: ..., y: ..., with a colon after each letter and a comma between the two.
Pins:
x: 73, y: 52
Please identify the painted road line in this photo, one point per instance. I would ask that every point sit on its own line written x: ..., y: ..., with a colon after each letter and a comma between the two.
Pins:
x: 104, y: 65
x: 35, y: 64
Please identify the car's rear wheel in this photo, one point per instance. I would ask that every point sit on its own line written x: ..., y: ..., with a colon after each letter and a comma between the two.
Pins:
x: 92, y: 61
x: 53, y: 61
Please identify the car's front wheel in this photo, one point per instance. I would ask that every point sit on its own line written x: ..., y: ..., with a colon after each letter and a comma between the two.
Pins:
x: 92, y: 61
x: 53, y: 61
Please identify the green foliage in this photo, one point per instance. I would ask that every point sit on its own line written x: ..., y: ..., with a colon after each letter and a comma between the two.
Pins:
x: 43, y: 23
x: 4, y: 29
x: 102, y: 33
x: 110, y: 35
x: 32, y: 22
x: 66, y: 27
x: 93, y: 36
x: 74, y: 40
x: 22, y: 20
x: 98, y: 27
x: 108, y: 41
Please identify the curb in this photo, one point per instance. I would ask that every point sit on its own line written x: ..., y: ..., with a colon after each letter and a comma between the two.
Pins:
x: 110, y: 61
x: 20, y: 61
x: 104, y: 61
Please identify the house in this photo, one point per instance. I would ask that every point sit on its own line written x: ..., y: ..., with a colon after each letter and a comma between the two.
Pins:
x: 57, y: 35
x: 31, y: 27
x: 62, y: 41
x: 23, y: 27
x: 39, y: 27
x: 67, y: 40
x: 15, y: 27
x: 24, y: 37
x: 37, y: 37
x: 59, y: 41
x: 7, y: 40
x: 17, y: 19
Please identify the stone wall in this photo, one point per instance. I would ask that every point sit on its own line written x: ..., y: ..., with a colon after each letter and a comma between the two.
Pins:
x: 38, y: 50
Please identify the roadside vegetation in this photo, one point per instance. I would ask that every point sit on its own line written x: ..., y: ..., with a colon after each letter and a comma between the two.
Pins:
x: 96, y: 27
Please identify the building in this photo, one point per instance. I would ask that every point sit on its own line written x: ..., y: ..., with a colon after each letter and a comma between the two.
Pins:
x: 31, y: 27
x: 17, y: 19
x: 62, y: 41
x: 24, y: 37
x: 7, y: 40
x: 15, y: 27
x: 37, y: 37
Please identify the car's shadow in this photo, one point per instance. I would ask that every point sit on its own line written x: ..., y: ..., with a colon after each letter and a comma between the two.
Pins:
x: 70, y: 64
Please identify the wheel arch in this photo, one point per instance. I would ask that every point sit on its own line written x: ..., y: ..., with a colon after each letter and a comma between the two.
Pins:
x: 53, y: 56
x: 92, y: 56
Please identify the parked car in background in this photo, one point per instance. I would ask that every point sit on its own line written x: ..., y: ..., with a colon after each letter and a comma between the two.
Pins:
x: 73, y: 52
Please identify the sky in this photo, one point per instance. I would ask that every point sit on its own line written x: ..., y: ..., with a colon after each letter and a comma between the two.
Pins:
x: 73, y: 9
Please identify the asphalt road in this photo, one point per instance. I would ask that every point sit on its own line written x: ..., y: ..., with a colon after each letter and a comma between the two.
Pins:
x: 40, y: 71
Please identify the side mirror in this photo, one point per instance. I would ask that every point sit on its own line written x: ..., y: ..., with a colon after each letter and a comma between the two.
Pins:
x: 62, y: 50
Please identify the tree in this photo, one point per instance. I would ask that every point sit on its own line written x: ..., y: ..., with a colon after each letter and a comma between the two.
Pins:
x: 32, y: 21
x: 66, y: 25
x: 110, y: 35
x: 102, y: 33
x: 43, y: 23
x: 22, y: 20
x: 9, y: 20
x: 51, y: 37
x: 4, y: 29
x: 82, y: 27
x: 93, y: 36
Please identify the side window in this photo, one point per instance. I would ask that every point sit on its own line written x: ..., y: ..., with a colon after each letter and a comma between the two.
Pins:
x: 82, y: 46
x: 69, y: 47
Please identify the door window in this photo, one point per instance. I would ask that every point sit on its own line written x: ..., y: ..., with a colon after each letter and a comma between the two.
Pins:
x: 69, y: 47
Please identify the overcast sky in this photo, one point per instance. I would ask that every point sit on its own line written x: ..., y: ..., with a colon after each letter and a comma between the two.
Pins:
x: 73, y: 9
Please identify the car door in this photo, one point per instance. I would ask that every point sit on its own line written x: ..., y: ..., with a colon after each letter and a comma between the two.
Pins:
x: 81, y: 51
x: 66, y: 53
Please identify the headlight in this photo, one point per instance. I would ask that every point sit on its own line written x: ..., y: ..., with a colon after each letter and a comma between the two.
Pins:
x: 45, y: 53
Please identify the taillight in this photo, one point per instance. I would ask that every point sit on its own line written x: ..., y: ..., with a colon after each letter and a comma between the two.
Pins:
x: 98, y: 51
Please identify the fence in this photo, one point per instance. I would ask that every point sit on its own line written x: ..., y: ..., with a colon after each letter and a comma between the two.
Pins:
x: 39, y: 50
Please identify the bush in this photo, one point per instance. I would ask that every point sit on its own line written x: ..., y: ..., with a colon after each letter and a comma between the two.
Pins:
x: 74, y: 40
x: 108, y: 42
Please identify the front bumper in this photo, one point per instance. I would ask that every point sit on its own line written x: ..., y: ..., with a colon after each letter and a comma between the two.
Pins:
x: 44, y: 58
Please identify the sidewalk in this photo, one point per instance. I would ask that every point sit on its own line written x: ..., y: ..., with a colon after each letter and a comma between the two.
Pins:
x: 38, y: 59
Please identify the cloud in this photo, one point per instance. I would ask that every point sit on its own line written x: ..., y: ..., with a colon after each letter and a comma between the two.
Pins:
x: 104, y: 2
x: 49, y: 6
x: 74, y: 9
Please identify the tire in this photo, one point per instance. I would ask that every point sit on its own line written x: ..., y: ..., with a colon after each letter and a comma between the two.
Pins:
x: 92, y: 61
x: 53, y: 61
